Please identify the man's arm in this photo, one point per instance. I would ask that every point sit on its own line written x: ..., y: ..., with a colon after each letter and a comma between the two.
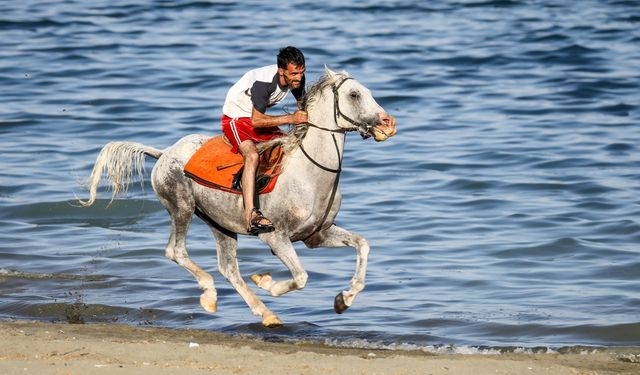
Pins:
x: 261, y: 120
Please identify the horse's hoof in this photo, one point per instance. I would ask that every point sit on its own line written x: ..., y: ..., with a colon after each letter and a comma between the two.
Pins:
x: 262, y: 279
x: 338, y: 304
x: 209, y: 301
x: 271, y: 321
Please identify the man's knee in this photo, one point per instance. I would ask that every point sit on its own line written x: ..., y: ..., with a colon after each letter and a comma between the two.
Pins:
x: 249, y: 153
x: 251, y: 159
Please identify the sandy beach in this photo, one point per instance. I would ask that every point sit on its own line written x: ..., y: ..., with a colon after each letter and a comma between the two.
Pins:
x: 47, y: 348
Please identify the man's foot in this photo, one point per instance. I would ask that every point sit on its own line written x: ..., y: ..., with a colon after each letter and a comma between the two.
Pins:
x: 258, y: 223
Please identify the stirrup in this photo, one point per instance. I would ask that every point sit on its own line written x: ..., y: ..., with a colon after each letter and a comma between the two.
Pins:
x: 255, y: 227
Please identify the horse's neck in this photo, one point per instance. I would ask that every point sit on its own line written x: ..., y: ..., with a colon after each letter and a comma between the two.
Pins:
x: 324, y: 147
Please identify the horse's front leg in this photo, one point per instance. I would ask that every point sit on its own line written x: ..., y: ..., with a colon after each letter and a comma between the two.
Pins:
x: 335, y: 236
x: 226, y: 244
x: 283, y: 249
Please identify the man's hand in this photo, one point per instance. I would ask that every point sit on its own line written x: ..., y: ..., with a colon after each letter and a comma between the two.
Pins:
x: 299, y: 117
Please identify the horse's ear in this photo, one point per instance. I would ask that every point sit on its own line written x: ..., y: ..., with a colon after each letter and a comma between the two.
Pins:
x: 328, y: 72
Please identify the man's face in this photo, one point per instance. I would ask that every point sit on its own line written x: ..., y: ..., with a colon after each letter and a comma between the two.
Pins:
x: 292, y: 75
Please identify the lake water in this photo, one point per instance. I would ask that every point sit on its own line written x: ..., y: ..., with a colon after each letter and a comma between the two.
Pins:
x: 505, y: 213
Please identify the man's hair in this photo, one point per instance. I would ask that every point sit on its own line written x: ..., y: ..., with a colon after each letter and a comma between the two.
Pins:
x: 290, y: 55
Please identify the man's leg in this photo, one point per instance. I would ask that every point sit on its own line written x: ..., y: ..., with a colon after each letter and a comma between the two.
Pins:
x: 251, y: 158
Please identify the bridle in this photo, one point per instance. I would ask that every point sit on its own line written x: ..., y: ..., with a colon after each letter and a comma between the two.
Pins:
x: 337, y: 114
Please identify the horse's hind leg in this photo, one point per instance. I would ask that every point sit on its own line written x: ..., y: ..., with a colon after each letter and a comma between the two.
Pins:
x: 179, y: 202
x: 335, y: 236
x: 226, y: 245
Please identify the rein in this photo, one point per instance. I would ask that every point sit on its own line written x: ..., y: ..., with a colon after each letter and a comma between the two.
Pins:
x: 336, y: 181
x: 324, y: 168
x: 337, y: 113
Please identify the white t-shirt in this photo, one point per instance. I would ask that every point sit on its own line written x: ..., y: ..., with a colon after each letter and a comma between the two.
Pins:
x: 257, y: 88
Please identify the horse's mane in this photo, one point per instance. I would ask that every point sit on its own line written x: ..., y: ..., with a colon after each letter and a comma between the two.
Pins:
x: 296, y: 134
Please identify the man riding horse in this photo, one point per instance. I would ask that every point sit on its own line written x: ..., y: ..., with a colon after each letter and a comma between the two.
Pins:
x: 303, y: 204
x: 245, y: 123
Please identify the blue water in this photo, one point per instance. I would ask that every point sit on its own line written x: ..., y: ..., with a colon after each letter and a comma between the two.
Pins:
x: 506, y: 212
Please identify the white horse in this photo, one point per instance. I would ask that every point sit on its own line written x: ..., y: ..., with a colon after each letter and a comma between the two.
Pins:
x: 302, y: 206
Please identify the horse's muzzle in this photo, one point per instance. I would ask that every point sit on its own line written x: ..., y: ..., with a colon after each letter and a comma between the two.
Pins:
x: 385, y: 129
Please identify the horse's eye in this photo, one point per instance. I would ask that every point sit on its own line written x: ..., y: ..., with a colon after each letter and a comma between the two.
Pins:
x: 354, y: 94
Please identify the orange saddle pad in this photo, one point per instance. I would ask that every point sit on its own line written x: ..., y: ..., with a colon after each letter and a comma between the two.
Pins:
x: 215, y: 166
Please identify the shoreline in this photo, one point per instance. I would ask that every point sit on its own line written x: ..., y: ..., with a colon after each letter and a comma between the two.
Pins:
x: 54, y: 348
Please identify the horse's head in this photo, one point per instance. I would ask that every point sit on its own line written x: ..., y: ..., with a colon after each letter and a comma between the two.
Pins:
x: 354, y: 108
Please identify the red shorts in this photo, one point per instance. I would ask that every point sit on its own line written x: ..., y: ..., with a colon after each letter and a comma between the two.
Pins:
x: 240, y: 129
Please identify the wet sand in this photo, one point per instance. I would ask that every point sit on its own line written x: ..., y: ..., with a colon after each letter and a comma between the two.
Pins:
x: 47, y: 348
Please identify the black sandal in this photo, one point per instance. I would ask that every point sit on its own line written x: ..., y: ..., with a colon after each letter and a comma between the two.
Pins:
x: 255, y: 227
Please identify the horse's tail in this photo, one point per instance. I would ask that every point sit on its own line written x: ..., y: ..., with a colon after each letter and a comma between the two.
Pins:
x: 119, y: 160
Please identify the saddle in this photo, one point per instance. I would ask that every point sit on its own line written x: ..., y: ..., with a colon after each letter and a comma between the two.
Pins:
x: 215, y: 166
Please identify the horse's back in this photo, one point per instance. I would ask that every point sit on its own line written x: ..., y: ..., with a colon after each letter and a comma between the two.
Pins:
x: 186, y: 147
x: 169, y: 167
